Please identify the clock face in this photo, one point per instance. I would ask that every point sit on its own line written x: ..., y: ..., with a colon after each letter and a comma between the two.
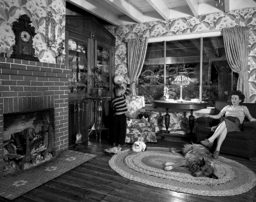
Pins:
x: 25, y: 36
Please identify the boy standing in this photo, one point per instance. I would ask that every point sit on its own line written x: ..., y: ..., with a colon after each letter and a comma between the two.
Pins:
x: 119, y: 119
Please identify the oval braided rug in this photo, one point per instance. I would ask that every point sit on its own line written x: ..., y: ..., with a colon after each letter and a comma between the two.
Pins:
x: 147, y: 167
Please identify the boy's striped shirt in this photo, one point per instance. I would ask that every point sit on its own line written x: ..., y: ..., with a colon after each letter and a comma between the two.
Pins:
x: 119, y: 105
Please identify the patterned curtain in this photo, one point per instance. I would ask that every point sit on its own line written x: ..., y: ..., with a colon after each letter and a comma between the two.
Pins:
x: 236, y: 42
x: 137, y: 49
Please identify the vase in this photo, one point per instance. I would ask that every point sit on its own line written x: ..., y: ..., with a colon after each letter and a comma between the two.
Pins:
x: 97, y: 92
x: 100, y: 91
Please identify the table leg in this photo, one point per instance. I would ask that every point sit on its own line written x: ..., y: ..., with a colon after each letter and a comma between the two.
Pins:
x: 191, y: 121
x: 185, y: 115
x: 167, y: 120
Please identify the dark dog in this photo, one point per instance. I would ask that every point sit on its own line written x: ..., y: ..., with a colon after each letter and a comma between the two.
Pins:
x: 197, y: 159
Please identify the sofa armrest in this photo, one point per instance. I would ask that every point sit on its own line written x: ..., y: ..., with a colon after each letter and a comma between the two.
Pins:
x: 207, y: 121
x: 248, y: 124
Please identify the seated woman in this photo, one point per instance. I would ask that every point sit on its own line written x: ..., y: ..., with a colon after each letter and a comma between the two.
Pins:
x: 234, y: 117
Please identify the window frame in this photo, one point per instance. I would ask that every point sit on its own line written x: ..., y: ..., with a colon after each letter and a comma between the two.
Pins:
x: 201, y: 36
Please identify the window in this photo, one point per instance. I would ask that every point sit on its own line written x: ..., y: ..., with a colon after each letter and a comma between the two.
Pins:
x: 203, y: 60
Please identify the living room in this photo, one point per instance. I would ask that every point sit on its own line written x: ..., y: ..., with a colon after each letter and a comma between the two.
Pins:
x: 40, y: 74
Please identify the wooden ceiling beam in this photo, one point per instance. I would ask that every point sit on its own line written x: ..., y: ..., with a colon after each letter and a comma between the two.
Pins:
x: 96, y: 9
x: 196, y: 44
x: 180, y: 46
x: 216, y: 45
x: 127, y: 9
x: 210, y: 7
x: 161, y: 8
x: 180, y: 12
x: 194, y: 7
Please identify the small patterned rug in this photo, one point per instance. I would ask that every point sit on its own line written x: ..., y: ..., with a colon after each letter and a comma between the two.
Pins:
x: 14, y: 185
x: 147, y: 167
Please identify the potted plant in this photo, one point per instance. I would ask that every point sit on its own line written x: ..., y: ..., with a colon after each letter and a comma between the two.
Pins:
x: 77, y: 86
x: 98, y: 79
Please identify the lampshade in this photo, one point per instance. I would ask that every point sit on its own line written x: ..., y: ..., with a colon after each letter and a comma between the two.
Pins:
x: 181, y: 80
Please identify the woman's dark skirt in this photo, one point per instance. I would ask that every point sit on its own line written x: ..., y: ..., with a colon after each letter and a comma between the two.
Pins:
x: 232, y: 123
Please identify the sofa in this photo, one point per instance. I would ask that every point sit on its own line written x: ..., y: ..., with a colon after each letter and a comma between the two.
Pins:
x: 241, y: 144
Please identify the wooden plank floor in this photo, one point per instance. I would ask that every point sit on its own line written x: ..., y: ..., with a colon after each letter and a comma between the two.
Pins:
x: 95, y: 181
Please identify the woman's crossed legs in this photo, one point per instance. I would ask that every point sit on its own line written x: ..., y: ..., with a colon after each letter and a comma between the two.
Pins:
x: 220, y: 133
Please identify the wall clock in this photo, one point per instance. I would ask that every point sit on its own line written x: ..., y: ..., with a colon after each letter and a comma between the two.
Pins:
x: 25, y: 36
x: 24, y: 33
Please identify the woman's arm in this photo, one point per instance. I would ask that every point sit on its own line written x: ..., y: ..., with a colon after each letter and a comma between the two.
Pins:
x: 248, y: 115
x: 219, y: 115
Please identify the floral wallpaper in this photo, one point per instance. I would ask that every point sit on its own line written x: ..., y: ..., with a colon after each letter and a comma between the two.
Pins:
x: 37, y: 10
x: 216, y: 21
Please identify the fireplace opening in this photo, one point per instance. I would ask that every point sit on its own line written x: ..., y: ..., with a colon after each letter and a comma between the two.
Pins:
x: 28, y: 139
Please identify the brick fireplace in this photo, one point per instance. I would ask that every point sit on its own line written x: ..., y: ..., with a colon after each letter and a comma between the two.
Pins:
x: 27, y: 86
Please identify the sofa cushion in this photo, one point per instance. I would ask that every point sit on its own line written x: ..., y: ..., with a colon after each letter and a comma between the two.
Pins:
x: 247, y: 134
x: 204, y: 127
x: 207, y: 121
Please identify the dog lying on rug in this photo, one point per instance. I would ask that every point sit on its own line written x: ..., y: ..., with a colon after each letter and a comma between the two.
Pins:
x: 197, y: 159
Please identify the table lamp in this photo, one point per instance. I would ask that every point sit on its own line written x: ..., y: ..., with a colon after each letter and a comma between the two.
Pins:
x: 181, y: 80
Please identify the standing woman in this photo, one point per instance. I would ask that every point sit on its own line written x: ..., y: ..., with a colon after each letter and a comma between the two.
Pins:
x: 232, y: 120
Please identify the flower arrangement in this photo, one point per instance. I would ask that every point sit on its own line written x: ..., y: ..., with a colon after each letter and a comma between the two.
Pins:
x: 96, y: 78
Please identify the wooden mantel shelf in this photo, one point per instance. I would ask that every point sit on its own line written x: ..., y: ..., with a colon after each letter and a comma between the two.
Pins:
x: 78, y: 97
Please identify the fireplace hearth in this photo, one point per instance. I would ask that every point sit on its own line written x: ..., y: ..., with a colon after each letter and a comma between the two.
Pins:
x: 27, y: 139
x: 27, y: 88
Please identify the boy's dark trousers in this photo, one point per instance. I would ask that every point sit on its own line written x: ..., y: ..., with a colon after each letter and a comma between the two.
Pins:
x: 119, y: 129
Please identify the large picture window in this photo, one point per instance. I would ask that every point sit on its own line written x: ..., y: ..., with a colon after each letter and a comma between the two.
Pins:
x: 202, y: 60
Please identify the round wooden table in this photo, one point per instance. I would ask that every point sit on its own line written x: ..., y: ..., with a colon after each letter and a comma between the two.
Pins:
x: 177, y: 107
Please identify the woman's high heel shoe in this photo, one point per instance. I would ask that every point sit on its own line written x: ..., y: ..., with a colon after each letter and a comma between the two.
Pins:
x: 206, y: 143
